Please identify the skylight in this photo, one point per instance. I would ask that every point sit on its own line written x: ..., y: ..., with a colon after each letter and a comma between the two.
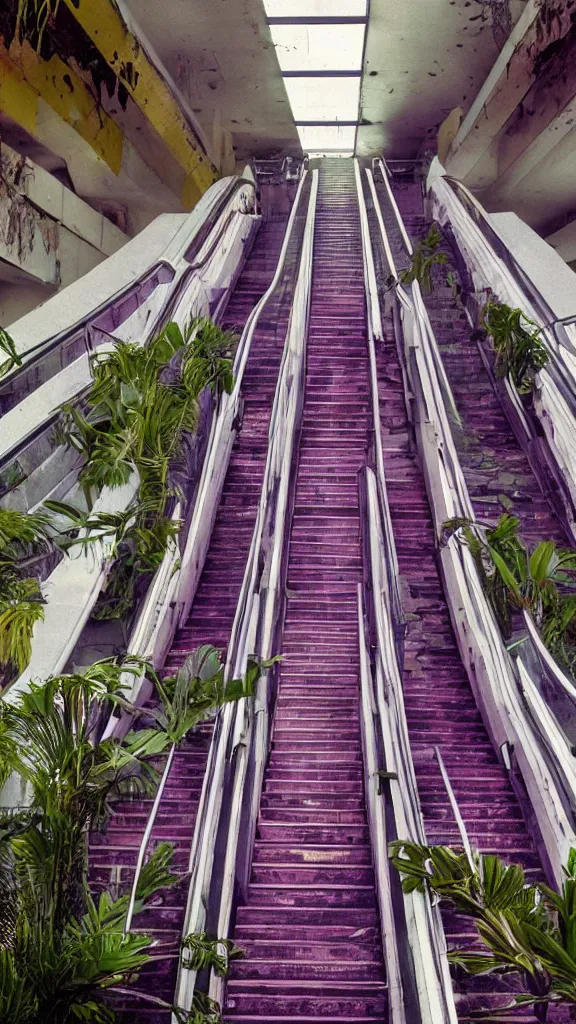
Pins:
x: 326, y: 99
x: 320, y: 44
x: 319, y: 47
x: 323, y: 139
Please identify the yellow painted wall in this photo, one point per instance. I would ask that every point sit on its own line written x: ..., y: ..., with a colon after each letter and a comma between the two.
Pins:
x: 25, y: 76
x: 121, y: 50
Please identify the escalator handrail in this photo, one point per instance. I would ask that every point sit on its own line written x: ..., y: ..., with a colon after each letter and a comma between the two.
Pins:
x: 546, y: 428
x: 229, y: 407
x: 375, y: 334
x: 241, y: 737
x: 156, y: 622
x: 150, y: 333
x: 494, y: 240
x: 385, y: 728
x: 512, y: 722
x: 416, y: 290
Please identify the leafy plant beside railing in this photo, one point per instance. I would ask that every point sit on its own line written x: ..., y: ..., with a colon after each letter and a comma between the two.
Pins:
x: 517, y: 342
x: 24, y: 541
x: 541, y: 580
x: 140, y: 414
x: 61, y: 948
x: 424, y: 258
x: 7, y: 347
x: 201, y: 952
x: 528, y: 929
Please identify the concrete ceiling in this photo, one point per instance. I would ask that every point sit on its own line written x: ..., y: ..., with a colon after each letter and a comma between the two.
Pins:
x: 221, y: 56
x: 423, y: 58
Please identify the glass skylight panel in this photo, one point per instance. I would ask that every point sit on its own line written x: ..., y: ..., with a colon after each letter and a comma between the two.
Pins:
x: 315, y: 8
x: 326, y: 99
x: 327, y: 139
x: 319, y: 47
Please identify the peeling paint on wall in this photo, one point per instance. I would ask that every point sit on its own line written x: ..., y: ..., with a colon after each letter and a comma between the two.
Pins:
x: 82, y: 58
x: 28, y: 238
x: 501, y: 19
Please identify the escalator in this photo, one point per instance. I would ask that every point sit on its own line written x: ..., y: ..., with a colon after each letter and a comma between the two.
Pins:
x: 310, y: 920
x: 309, y: 927
x: 441, y: 708
x: 317, y: 944
x: 210, y: 618
x: 496, y: 470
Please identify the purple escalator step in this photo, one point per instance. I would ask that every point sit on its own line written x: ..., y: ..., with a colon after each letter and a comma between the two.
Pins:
x: 440, y: 706
x: 310, y: 923
x: 113, y: 856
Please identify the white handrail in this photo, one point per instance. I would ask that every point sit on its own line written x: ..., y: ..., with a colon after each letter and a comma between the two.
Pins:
x: 490, y: 667
x: 384, y: 724
x: 375, y: 333
x: 376, y: 809
x: 554, y: 397
x: 221, y: 440
x: 242, y: 732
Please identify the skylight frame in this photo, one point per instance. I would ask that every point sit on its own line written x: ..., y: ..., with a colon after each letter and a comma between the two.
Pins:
x: 318, y: 47
x: 296, y: 28
x: 337, y: 100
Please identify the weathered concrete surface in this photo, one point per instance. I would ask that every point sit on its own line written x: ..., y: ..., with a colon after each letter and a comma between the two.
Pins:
x: 517, y: 143
x: 222, y: 58
x: 82, y: 94
x: 422, y: 59
x: 49, y: 237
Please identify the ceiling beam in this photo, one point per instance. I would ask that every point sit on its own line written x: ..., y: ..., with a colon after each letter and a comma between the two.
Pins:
x: 322, y: 74
x: 327, y: 124
x: 147, y: 85
x: 533, y: 41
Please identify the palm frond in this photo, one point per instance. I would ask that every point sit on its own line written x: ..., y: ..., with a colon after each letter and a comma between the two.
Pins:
x: 517, y: 342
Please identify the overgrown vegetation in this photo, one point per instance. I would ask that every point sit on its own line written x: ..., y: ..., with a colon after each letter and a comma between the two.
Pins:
x: 24, y: 542
x: 139, y: 420
x: 541, y: 580
x: 140, y: 414
x: 528, y: 929
x: 8, y: 347
x: 424, y: 258
x: 62, y: 948
x: 33, y: 18
x: 518, y: 347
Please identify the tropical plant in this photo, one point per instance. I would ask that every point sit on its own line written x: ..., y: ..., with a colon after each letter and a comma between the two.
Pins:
x: 513, y: 577
x: 424, y: 258
x: 529, y: 929
x: 203, y: 951
x: 60, y: 974
x: 8, y: 347
x: 21, y: 607
x: 33, y: 17
x: 141, y: 410
x: 197, y: 690
x: 518, y: 347
x: 24, y: 540
x: 61, y: 949
x: 136, y: 550
x: 143, y: 402
x: 209, y: 361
